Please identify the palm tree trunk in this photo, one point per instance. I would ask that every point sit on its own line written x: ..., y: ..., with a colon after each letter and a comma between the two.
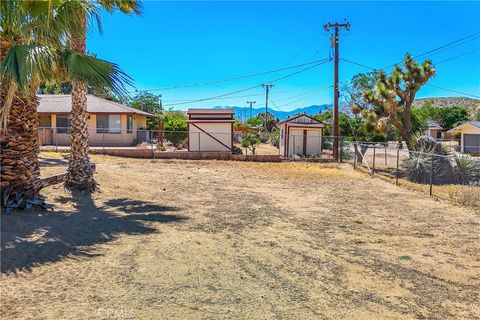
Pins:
x: 80, y: 172
x: 19, y: 145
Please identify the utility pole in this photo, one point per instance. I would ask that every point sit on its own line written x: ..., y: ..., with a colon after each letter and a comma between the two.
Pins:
x: 250, y: 103
x: 267, y: 88
x: 336, y: 94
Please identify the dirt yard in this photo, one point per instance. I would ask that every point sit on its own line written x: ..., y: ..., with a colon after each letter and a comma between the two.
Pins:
x: 236, y: 240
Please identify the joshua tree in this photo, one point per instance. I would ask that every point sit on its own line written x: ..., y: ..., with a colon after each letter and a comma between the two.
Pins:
x: 389, y: 101
x: 33, y: 37
x: 80, y: 172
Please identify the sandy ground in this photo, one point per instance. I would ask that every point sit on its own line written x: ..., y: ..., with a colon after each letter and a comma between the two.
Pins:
x: 234, y: 240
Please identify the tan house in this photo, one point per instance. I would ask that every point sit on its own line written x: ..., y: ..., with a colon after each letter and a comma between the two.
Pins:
x: 469, y: 136
x: 210, y: 130
x: 300, y: 135
x: 109, y: 123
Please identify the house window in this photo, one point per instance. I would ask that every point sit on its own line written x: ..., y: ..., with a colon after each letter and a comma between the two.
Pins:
x: 114, y: 123
x: 129, y: 123
x: 63, y: 124
x: 108, y: 123
x: 102, y: 123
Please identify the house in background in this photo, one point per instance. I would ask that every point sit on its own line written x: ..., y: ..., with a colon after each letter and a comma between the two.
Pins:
x: 469, y: 136
x: 109, y: 123
x: 210, y: 130
x: 300, y: 135
x: 434, y: 129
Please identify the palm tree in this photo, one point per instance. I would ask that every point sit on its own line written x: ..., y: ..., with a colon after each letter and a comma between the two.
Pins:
x: 80, y: 172
x: 33, y: 39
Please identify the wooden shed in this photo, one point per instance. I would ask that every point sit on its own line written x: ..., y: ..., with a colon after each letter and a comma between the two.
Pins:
x: 301, y: 135
x: 210, y: 130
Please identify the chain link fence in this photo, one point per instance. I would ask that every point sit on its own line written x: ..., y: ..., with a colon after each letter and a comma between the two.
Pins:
x: 309, y: 147
x: 454, y: 177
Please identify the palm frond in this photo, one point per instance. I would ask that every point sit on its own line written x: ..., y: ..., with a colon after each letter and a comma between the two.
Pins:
x: 97, y: 72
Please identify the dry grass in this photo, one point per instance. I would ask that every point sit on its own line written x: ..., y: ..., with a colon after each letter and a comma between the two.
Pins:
x: 236, y: 240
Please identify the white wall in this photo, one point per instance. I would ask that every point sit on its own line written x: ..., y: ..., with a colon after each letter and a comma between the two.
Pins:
x: 313, y: 141
x: 221, y: 131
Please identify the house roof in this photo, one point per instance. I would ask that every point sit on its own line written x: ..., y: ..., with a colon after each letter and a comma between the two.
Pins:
x: 210, y: 111
x: 298, y: 116
x: 460, y: 126
x: 56, y: 103
x: 433, y: 125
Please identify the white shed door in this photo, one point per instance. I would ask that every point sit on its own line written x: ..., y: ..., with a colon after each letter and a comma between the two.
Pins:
x: 314, y: 142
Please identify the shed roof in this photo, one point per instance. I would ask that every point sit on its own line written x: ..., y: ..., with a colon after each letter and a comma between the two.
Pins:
x: 460, y: 126
x: 433, y: 124
x: 62, y: 103
x: 210, y: 111
x: 301, y: 115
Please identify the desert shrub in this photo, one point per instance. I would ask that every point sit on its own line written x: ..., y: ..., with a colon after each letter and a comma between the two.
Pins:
x: 264, y: 136
x: 275, y: 137
x: 250, y: 141
x: 347, y: 154
x: 418, y: 165
x: 467, y: 196
x: 466, y: 170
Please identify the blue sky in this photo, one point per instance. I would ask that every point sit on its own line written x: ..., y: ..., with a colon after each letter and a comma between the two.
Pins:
x: 176, y: 43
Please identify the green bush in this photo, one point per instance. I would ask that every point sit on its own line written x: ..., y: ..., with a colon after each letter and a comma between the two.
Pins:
x: 175, y: 127
x: 275, y: 137
x: 250, y: 141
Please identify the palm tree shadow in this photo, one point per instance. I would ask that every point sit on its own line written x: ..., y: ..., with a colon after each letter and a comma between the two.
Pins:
x: 35, y: 238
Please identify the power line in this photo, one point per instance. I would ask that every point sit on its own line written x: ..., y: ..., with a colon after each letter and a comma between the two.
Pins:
x: 451, y: 90
x: 455, y: 57
x: 467, y: 38
x: 249, y: 88
x: 237, y: 78
x: 275, y: 105
x: 430, y: 85
x: 306, y: 97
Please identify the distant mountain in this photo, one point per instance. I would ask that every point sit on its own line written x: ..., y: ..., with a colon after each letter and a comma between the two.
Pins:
x: 241, y: 112
x: 472, y: 105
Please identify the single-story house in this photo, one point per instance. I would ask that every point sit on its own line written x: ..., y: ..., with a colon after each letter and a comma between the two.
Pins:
x: 109, y: 123
x: 301, y: 135
x: 210, y: 130
x: 434, y: 129
x: 469, y: 136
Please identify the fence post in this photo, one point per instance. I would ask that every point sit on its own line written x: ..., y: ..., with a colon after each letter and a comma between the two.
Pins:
x: 386, y: 155
x: 354, y: 156
x: 396, y: 173
x: 103, y: 143
x: 340, y: 145
x: 151, y: 143
x: 373, y: 164
x: 56, y: 140
x: 431, y: 176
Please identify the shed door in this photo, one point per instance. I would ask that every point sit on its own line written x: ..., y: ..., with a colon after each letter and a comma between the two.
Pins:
x: 295, y: 142
x: 471, y: 143
x: 313, y: 142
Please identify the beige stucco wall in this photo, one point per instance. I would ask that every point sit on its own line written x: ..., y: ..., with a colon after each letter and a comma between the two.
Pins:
x: 108, y: 139
x: 221, y: 131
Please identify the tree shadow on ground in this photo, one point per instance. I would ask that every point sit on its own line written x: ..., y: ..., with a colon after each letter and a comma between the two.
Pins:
x: 52, y: 162
x: 37, y: 237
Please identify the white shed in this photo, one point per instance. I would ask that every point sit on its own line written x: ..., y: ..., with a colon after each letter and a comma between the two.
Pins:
x: 301, y: 135
x: 469, y: 136
x: 210, y: 130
